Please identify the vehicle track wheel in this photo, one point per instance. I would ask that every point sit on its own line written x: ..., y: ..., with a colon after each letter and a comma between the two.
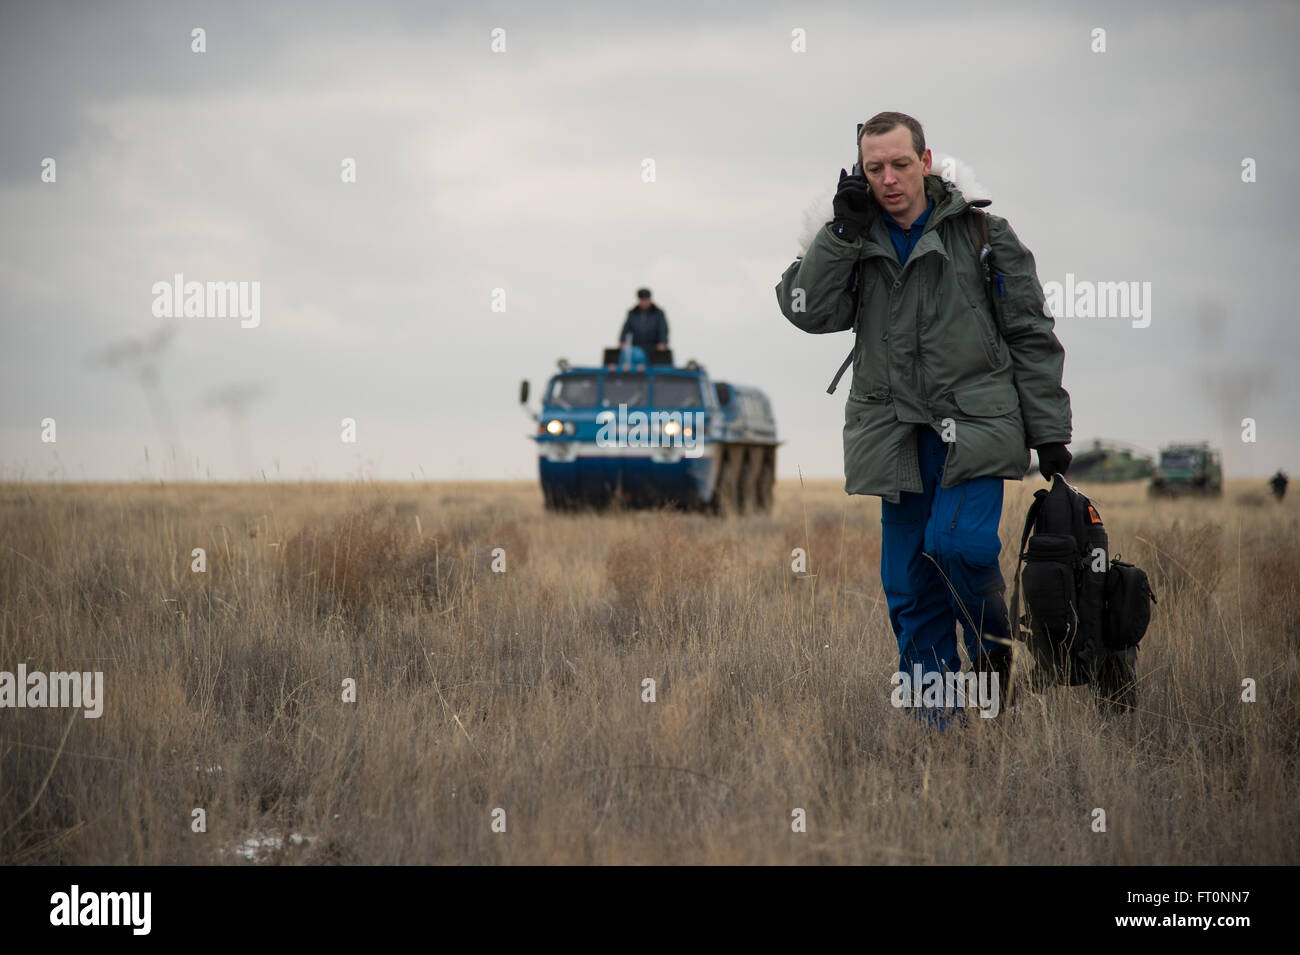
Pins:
x: 748, y: 502
x: 724, y: 490
x: 766, y: 478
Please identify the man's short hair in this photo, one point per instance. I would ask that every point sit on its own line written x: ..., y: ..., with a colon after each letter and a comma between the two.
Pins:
x: 883, y: 122
x: 643, y: 293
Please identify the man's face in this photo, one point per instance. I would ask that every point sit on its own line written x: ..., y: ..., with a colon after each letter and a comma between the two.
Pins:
x: 895, y: 173
x: 643, y: 303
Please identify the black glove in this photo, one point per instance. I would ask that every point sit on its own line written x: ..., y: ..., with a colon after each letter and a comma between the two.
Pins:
x: 852, y: 207
x: 1053, y: 459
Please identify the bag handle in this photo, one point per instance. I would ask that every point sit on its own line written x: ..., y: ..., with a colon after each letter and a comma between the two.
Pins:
x: 1030, y: 519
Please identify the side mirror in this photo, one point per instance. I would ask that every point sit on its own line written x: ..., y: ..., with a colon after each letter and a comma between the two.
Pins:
x: 523, y: 392
x: 724, y: 392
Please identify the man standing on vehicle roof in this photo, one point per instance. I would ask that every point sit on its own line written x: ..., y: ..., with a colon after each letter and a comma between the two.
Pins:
x: 948, y: 392
x: 646, y: 322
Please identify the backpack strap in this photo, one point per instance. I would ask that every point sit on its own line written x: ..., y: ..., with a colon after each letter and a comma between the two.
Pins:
x: 977, y: 222
x: 854, y: 289
x: 1030, y: 519
x: 835, y: 382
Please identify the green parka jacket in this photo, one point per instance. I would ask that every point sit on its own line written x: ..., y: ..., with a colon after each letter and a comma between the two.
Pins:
x: 928, y: 350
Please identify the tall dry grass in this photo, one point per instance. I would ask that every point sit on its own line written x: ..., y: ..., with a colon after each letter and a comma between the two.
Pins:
x: 523, y: 690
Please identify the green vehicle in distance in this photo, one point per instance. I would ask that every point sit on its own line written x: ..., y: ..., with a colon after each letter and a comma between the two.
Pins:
x: 1187, y: 469
x: 1109, y: 462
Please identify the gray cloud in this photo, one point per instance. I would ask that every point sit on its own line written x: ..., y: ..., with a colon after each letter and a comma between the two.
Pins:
x: 521, y: 171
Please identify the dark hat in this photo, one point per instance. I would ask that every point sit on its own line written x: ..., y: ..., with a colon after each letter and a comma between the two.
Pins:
x: 643, y: 293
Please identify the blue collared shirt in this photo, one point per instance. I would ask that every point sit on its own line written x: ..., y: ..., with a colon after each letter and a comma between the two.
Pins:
x: 905, y: 239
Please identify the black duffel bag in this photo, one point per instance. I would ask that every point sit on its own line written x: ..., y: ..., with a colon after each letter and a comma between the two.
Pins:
x: 1086, y: 612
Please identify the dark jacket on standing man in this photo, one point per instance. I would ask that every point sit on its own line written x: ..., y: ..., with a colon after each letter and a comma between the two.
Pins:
x: 648, y: 327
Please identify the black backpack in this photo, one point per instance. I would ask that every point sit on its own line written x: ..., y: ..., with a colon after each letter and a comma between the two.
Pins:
x: 1087, y: 611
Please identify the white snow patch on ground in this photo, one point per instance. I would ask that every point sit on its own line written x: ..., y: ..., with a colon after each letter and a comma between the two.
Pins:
x: 259, y: 847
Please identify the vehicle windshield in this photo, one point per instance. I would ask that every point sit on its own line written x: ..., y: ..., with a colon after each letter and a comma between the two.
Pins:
x: 625, y: 389
x: 677, y: 391
x: 573, y: 391
x: 1178, y: 462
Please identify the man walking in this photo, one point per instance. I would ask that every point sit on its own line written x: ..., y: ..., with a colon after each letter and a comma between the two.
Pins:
x: 646, y: 323
x: 948, y: 392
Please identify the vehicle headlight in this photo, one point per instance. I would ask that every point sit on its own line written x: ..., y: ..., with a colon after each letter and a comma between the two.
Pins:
x: 554, y: 426
x: 671, y: 428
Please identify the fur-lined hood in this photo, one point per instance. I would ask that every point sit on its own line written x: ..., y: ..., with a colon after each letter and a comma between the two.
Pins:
x: 820, y: 211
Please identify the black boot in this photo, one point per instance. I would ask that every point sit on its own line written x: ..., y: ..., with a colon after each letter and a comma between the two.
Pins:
x: 999, y: 661
x: 1116, y: 680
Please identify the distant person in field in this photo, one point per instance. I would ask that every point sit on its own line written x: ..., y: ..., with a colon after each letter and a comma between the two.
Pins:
x: 1278, y: 483
x: 646, y: 323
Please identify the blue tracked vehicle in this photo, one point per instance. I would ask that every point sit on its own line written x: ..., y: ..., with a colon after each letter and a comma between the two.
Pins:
x: 640, y: 431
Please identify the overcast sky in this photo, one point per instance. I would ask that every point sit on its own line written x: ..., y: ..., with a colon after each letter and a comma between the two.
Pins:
x: 522, y: 170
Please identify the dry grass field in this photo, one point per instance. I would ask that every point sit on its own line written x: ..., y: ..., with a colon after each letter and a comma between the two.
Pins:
x: 522, y: 690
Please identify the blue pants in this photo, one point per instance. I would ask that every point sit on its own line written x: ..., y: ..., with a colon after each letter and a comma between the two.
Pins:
x: 958, y: 527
